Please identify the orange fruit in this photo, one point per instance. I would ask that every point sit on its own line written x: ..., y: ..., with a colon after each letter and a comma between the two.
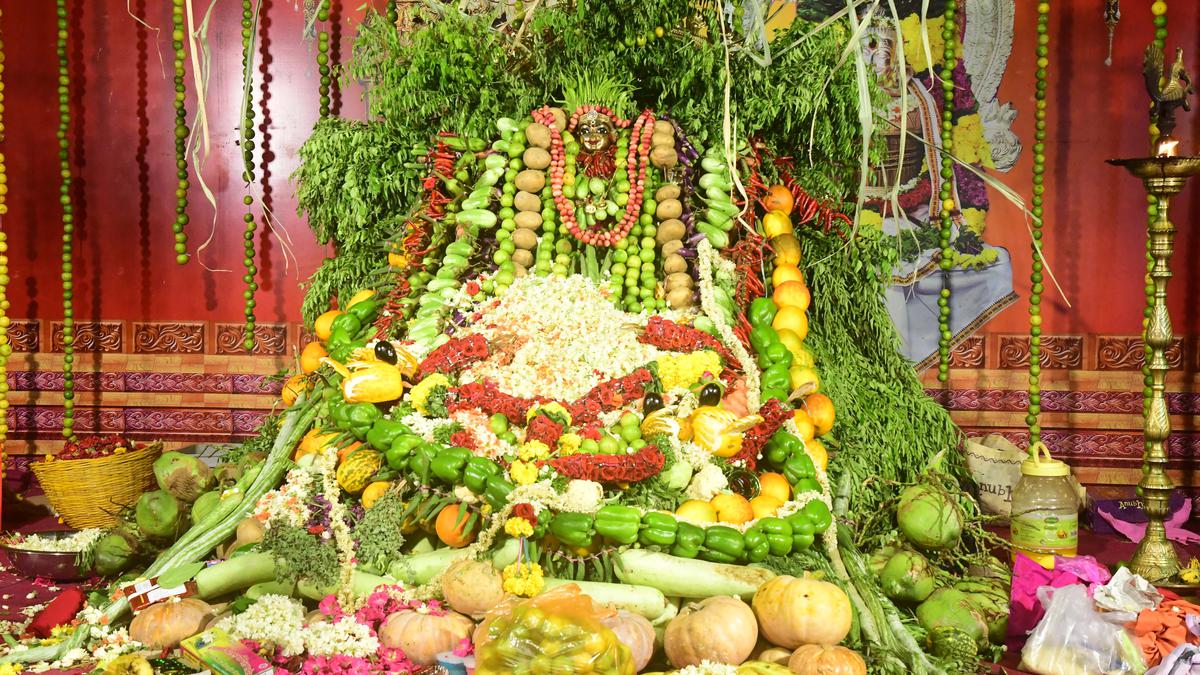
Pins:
x: 804, y: 375
x: 345, y: 452
x: 697, y: 511
x: 817, y: 451
x: 792, y: 294
x: 776, y: 224
x: 373, y: 492
x: 794, y: 344
x: 450, y: 530
x: 784, y: 273
x: 765, y: 506
x: 793, y: 319
x: 295, y: 385
x: 310, y: 357
x: 804, y: 425
x: 787, y: 249
x: 820, y: 409
x: 322, y: 327
x: 775, y: 486
x: 779, y: 198
x: 732, y: 508
x: 313, y: 443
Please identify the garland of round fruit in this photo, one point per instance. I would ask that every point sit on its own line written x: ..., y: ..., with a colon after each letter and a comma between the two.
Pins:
x: 178, y: 34
x: 68, y: 220
x: 5, y: 346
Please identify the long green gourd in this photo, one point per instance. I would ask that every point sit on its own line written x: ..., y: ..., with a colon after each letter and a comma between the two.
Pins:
x: 204, y: 535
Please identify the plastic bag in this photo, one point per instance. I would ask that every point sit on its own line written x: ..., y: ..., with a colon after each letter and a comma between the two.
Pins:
x: 558, y: 632
x: 1074, y: 639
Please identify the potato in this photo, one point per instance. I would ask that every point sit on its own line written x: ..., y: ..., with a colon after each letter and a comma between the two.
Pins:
x: 531, y: 180
x: 536, y: 158
x: 524, y: 239
x: 527, y: 201
x: 668, y: 191
x: 528, y: 220
x: 668, y: 209
x: 663, y: 157
x: 674, y: 263
x: 664, y: 127
x: 538, y: 135
x: 679, y: 280
x: 662, y: 140
x: 669, y: 230
x: 560, y: 118
x: 680, y: 298
x: 520, y: 257
x: 671, y: 247
x: 519, y: 270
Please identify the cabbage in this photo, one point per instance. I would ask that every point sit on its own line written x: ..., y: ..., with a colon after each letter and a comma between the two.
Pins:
x: 184, y: 476
x: 159, y: 514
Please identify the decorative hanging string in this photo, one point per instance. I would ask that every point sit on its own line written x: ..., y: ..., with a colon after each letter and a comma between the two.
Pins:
x: 199, y: 140
x: 250, y: 11
x: 323, y: 58
x: 68, y: 222
x: 178, y: 34
x: 1112, y: 15
x: 5, y: 347
x: 946, y: 190
x: 1159, y: 10
x: 1039, y: 173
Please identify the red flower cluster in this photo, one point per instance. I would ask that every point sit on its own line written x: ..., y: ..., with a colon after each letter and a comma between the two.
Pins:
x: 643, y: 464
x: 95, y: 447
x: 674, y: 337
x: 610, y: 395
x: 774, y: 415
x: 455, y: 355
x: 525, y: 511
x: 542, y: 428
x: 489, y: 399
x: 463, y: 439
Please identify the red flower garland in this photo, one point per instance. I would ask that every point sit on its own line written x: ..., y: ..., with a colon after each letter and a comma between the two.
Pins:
x: 774, y: 415
x: 675, y: 337
x: 455, y: 355
x: 643, y: 464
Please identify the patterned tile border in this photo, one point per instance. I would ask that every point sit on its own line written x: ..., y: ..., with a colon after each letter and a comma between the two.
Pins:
x: 157, y: 382
x: 1007, y: 400
x: 156, y: 337
x: 141, y: 423
x: 1103, y: 448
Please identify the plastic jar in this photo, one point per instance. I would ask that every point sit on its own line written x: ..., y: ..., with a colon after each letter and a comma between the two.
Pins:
x: 1045, y: 509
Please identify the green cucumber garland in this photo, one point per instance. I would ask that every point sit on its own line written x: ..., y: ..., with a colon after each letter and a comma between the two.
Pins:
x: 945, y: 335
x: 178, y: 35
x: 68, y: 220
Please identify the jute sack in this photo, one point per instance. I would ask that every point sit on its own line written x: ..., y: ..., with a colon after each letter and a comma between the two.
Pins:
x: 995, y: 465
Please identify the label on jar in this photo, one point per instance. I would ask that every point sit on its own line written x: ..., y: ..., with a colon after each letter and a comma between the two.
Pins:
x: 1046, y: 532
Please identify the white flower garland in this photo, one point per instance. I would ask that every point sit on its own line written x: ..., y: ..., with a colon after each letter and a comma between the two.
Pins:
x: 341, y: 531
x: 274, y: 619
x: 707, y: 256
x: 346, y: 637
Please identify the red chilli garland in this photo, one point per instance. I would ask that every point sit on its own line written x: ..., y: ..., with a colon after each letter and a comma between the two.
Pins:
x: 643, y: 464
x: 774, y: 415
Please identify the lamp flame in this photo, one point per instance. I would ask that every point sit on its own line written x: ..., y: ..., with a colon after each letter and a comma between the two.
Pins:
x: 1168, y: 147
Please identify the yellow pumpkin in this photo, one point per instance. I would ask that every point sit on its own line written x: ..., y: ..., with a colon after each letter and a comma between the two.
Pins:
x: 313, y: 443
x: 472, y: 587
x: 635, y: 632
x: 776, y: 224
x: 292, y: 389
x: 423, y: 636
x: 374, y: 492
x: 374, y: 383
x: 796, y: 611
x: 827, y: 660
x: 787, y: 250
x: 165, y: 624
x: 721, y: 629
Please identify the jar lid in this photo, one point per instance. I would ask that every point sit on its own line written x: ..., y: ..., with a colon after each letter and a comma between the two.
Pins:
x: 1040, y: 463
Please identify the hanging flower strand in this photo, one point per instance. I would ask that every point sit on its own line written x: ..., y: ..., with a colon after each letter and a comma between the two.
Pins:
x: 68, y: 220
x: 949, y: 34
x: 323, y: 58
x: 247, y: 143
x: 178, y: 35
x: 1039, y: 173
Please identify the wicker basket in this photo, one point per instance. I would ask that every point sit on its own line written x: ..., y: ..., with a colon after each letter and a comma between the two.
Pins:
x: 92, y: 492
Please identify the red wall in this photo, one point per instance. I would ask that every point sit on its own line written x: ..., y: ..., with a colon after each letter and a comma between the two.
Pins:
x: 123, y: 151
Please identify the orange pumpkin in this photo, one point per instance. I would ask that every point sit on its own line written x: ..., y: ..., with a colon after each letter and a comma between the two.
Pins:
x: 820, y: 409
x: 721, y: 629
x: 345, y: 452
x: 779, y: 198
x: 164, y: 624
x: 795, y: 611
x: 423, y: 636
x: 452, y: 529
x: 792, y: 294
x: 295, y: 385
x: 314, y: 442
x: 826, y: 660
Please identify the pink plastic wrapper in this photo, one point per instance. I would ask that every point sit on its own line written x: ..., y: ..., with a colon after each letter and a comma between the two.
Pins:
x: 1028, y: 577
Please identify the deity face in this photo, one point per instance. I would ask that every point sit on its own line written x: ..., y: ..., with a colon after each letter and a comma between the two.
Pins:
x: 597, y: 133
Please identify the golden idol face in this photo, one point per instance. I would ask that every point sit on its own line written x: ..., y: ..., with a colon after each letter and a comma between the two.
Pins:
x: 597, y: 133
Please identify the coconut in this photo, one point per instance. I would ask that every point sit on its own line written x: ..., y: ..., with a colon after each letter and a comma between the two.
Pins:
x: 115, y: 552
x: 184, y: 476
x: 989, y: 596
x: 951, y: 608
x: 159, y: 514
x: 907, y: 577
x: 929, y: 518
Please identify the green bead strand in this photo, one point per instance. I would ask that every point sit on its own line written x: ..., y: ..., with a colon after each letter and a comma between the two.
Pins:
x: 68, y: 219
x: 393, y: 14
x: 323, y: 59
x: 1039, y: 173
x: 247, y: 142
x: 5, y: 348
x: 178, y: 36
x: 1158, y: 10
x: 946, y: 193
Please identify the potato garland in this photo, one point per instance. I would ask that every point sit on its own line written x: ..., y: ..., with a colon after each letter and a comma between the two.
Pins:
x: 5, y: 348
x: 247, y: 143
x: 68, y: 220
x: 1035, y: 277
x: 949, y: 34
x: 323, y: 55
x: 178, y: 35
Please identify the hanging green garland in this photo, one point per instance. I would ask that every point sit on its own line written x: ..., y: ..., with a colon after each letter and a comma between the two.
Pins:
x: 247, y: 142
x: 323, y: 56
x: 178, y: 35
x: 68, y: 220
x: 1159, y: 10
x: 5, y: 347
x: 945, y: 335
x: 393, y: 14
x: 1039, y: 174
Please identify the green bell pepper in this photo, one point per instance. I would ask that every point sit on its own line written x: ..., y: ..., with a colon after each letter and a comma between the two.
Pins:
x: 384, y: 432
x: 779, y: 534
x: 762, y: 312
x: 618, y: 523
x: 776, y: 377
x: 361, y: 417
x: 421, y: 461
x: 476, y: 473
x: 364, y: 311
x: 775, y: 454
x: 345, y: 326
x: 798, y: 467
x: 757, y: 547
x: 658, y: 529
x: 777, y: 394
x: 401, y: 449
x: 789, y: 442
x: 574, y: 529
x: 497, y: 491
x: 723, y: 544
x: 762, y: 336
x: 806, y: 485
x: 688, y: 540
x: 342, y: 351
x: 448, y: 465
x: 779, y: 354
x: 802, y: 530
x: 819, y: 514
x: 544, y: 519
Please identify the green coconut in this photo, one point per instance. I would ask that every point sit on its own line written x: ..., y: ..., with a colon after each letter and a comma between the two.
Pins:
x: 204, y: 505
x: 879, y: 559
x: 989, y: 596
x: 952, y: 608
x: 115, y: 552
x: 160, y: 514
x: 184, y: 476
x: 929, y: 518
x: 907, y: 577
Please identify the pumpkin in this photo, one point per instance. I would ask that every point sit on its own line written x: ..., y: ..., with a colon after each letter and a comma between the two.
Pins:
x: 827, y: 660
x: 452, y: 529
x: 779, y: 198
x: 313, y: 443
x: 374, y: 492
x: 423, y: 636
x: 635, y: 632
x: 777, y: 655
x: 720, y: 629
x: 797, y: 611
x: 373, y: 382
x: 763, y: 668
x: 164, y: 624
x: 355, y: 471
x: 787, y: 249
x: 249, y: 531
x: 295, y: 385
x: 472, y: 587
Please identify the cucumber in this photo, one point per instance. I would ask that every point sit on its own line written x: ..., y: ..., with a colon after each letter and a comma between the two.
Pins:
x: 715, y: 235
